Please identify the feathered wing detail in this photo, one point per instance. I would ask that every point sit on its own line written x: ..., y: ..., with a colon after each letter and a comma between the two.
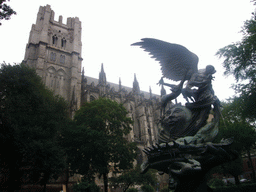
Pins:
x: 175, y: 60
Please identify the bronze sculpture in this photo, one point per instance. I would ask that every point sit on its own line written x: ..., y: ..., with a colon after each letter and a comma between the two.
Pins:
x: 186, y: 149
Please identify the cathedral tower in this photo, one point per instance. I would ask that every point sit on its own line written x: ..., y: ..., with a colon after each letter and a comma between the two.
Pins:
x: 54, y: 50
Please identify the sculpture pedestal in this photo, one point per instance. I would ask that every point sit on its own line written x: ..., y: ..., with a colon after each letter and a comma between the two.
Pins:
x: 189, y: 164
x: 192, y: 183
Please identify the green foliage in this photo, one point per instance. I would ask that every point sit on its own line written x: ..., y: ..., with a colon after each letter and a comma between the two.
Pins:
x: 148, y: 178
x: 239, y: 112
x: 234, y: 125
x: 236, y: 188
x: 85, y: 186
x: 75, y: 140
x: 5, y: 11
x: 31, y: 119
x: 243, y: 134
x: 134, y: 177
x: 165, y: 189
x: 147, y: 188
x: 234, y: 168
x: 239, y: 61
x: 216, y: 182
x: 132, y: 190
x: 106, y: 123
x: 95, y: 142
x: 239, y: 58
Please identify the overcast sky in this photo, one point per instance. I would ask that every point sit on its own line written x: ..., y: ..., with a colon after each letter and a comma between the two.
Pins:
x: 109, y: 27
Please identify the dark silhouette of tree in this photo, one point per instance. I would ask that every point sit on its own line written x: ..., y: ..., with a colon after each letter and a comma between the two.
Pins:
x: 239, y: 61
x: 133, y: 177
x: 242, y: 130
x: 5, y: 11
x: 96, y: 143
x: 30, y: 121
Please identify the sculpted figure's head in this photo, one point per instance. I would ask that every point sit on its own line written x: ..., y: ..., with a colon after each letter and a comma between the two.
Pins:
x: 210, y: 69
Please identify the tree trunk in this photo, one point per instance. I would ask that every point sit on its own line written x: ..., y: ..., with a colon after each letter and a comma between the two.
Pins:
x: 44, y: 187
x: 105, y: 178
x: 67, y: 179
x: 237, y: 182
x: 45, y: 180
x: 127, y: 187
x: 251, y: 164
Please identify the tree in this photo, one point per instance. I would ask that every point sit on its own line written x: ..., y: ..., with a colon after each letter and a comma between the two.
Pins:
x: 244, y: 138
x: 31, y: 118
x: 5, y: 11
x: 133, y: 177
x: 234, y: 168
x: 100, y: 145
x: 239, y: 61
x: 75, y: 142
x: 235, y: 126
x: 85, y: 186
x: 147, y: 188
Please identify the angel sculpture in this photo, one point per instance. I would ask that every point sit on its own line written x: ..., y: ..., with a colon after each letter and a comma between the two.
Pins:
x: 185, y: 134
x: 180, y: 64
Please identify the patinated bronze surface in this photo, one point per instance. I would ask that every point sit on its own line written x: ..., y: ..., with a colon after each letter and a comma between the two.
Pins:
x: 185, y: 148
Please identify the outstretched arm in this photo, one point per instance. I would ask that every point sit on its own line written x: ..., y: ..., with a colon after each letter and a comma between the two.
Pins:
x: 173, y: 86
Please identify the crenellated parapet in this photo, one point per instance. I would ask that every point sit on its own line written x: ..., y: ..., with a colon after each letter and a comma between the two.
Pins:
x: 55, y: 33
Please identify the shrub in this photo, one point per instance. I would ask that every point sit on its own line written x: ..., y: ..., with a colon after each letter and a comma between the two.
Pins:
x: 132, y: 190
x: 165, y: 189
x: 147, y: 188
x: 215, y: 182
x: 85, y: 186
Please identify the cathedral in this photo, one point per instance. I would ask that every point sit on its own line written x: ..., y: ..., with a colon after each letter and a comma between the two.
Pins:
x: 54, y: 49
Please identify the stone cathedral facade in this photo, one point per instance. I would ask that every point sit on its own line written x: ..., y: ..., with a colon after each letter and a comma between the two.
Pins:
x: 54, y: 49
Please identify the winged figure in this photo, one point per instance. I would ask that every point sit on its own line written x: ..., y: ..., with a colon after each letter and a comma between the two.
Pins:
x: 177, y: 63
x: 186, y: 150
x: 180, y: 64
x: 175, y: 60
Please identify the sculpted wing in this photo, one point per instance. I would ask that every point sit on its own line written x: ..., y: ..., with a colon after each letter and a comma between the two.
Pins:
x: 175, y: 60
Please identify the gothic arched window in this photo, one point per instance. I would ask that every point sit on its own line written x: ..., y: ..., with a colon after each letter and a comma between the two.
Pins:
x: 139, y: 128
x: 63, y: 43
x: 54, y: 40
